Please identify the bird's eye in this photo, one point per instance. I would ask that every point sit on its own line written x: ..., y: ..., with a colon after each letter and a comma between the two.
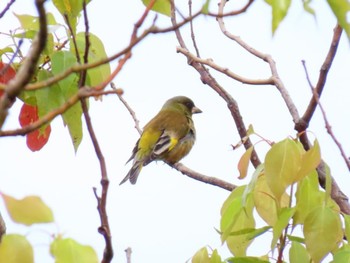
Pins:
x: 189, y: 105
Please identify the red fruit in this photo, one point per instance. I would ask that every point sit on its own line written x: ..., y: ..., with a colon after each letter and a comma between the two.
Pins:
x: 6, y: 74
x: 35, y: 139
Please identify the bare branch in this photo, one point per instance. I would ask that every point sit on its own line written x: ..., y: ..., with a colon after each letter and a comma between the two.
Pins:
x: 327, y: 124
x: 267, y: 58
x: 322, y: 78
x: 26, y: 71
x: 208, y: 79
x: 130, y: 110
x: 224, y: 70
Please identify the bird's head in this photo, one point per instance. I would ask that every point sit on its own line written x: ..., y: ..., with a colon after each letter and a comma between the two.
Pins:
x: 182, y: 103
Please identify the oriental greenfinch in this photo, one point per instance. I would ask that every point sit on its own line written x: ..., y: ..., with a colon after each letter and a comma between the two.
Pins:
x: 169, y: 136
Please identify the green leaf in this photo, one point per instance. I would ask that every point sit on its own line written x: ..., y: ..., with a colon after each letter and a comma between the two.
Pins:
x: 341, y: 9
x: 244, y: 163
x: 323, y: 232
x: 298, y: 253
x: 308, y: 8
x: 282, y: 222
x: 205, y: 7
x: 282, y: 163
x: 71, y: 9
x: 308, y: 196
x: 68, y: 250
x: 97, y: 52
x: 215, y: 257
x: 201, y: 256
x: 160, y: 6
x: 50, y: 98
x: 242, y: 219
x: 250, y: 130
x: 29, y: 210
x: 347, y: 225
x: 16, y: 249
x: 251, y: 186
x: 296, y: 239
x: 342, y: 255
x: 247, y: 260
x: 29, y: 22
x: 62, y: 61
x: 279, y: 11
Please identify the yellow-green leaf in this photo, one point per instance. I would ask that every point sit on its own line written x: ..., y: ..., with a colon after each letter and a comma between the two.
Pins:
x: 282, y: 222
x: 323, y: 232
x: 310, y: 160
x: 29, y: 210
x: 308, y: 196
x: 341, y: 9
x: 282, y: 163
x: 16, y: 249
x: 347, y: 225
x: 160, y: 6
x: 96, y: 52
x: 298, y: 253
x: 244, y: 163
x: 342, y: 255
x: 69, y: 251
x: 265, y: 203
x: 201, y: 256
x: 243, y: 219
x: 279, y: 11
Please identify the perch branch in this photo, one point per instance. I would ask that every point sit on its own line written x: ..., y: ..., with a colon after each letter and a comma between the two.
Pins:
x: 179, y: 166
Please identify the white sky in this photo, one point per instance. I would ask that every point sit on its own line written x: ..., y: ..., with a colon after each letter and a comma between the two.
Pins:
x: 167, y: 216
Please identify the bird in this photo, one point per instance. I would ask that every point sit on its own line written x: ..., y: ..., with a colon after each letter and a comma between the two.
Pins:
x: 169, y: 136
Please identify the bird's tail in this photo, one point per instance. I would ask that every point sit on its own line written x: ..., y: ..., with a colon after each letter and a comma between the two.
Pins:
x: 133, y: 173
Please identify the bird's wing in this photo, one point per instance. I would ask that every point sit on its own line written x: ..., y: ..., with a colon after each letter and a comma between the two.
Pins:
x: 165, y: 143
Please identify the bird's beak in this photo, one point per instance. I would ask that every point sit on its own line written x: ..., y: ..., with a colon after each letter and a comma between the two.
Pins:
x: 196, y: 110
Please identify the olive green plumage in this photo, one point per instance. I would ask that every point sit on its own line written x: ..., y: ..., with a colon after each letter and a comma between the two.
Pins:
x: 169, y: 136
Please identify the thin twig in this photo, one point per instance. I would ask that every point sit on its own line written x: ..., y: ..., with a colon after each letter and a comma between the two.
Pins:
x: 324, y: 115
x: 128, y: 252
x: 224, y: 70
x: 7, y: 7
x: 82, y: 93
x: 130, y: 110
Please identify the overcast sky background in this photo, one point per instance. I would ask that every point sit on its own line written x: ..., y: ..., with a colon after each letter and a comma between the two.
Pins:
x: 167, y: 216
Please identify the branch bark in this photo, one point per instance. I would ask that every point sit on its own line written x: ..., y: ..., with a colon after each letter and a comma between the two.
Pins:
x: 27, y: 70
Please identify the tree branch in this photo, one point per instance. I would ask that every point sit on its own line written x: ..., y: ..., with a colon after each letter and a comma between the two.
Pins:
x: 82, y: 93
x: 322, y: 78
x: 27, y: 70
x: 208, y: 79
